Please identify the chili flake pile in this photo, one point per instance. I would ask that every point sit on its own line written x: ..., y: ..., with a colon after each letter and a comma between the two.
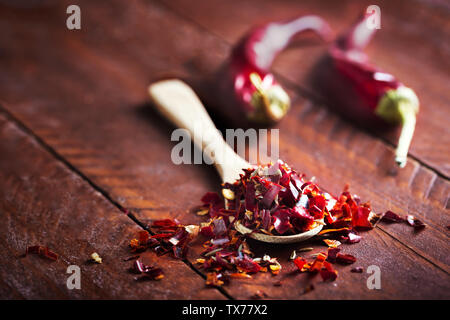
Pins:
x: 273, y: 200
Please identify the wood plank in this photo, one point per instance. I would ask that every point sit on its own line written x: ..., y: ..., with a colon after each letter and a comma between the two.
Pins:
x: 134, y: 165
x: 404, y: 27
x: 44, y: 203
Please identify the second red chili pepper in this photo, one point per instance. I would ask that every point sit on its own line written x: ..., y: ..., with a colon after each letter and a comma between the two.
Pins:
x: 362, y: 92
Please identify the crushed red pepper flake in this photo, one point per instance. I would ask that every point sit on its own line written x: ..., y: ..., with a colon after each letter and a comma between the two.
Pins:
x: 259, y: 295
x: 392, y: 217
x: 275, y: 200
x: 162, y: 235
x: 240, y: 275
x: 308, y: 288
x: 332, y: 243
x: 132, y: 258
x: 278, y: 283
x: 414, y: 222
x: 328, y: 273
x: 351, y: 238
x: 332, y: 254
x: 147, y: 272
x: 212, y: 279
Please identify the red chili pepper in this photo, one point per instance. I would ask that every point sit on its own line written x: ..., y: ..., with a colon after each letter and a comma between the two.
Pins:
x: 246, y: 83
x: 362, y: 92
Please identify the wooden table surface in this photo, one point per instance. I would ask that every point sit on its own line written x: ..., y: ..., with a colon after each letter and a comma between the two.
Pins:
x: 80, y: 141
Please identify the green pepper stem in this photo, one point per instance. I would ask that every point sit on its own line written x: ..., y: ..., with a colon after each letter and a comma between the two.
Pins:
x: 408, y: 116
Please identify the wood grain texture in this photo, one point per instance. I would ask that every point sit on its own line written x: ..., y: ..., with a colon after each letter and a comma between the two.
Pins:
x: 86, y: 98
x: 44, y: 203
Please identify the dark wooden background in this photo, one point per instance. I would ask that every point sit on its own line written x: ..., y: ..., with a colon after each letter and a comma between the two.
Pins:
x: 79, y: 141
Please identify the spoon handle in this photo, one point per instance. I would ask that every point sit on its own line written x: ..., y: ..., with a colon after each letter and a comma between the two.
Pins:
x: 179, y: 104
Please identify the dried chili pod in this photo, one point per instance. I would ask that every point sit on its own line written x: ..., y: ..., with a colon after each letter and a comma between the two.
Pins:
x: 245, y: 82
x: 362, y: 92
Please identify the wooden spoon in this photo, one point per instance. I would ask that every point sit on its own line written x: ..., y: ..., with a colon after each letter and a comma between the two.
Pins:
x: 177, y: 102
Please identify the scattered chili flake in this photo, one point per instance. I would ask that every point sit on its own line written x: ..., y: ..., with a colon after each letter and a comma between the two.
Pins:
x: 275, y: 200
x: 160, y: 250
x: 162, y: 235
x: 357, y: 270
x: 143, y: 237
x: 43, y: 252
x: 328, y: 273
x: 247, y: 265
x: 202, y: 212
x: 308, y: 288
x: 132, y: 258
x: 332, y: 243
x: 340, y: 230
x: 259, y: 294
x: 142, y: 242
x: 240, y: 275
x: 96, y: 258
x: 134, y: 243
x: 278, y: 283
x: 148, y: 272
x: 392, y: 217
x: 332, y: 254
x: 317, y: 264
x: 345, y: 258
x: 212, y: 279
x: 300, y: 263
x: 271, y: 199
x: 166, y: 224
